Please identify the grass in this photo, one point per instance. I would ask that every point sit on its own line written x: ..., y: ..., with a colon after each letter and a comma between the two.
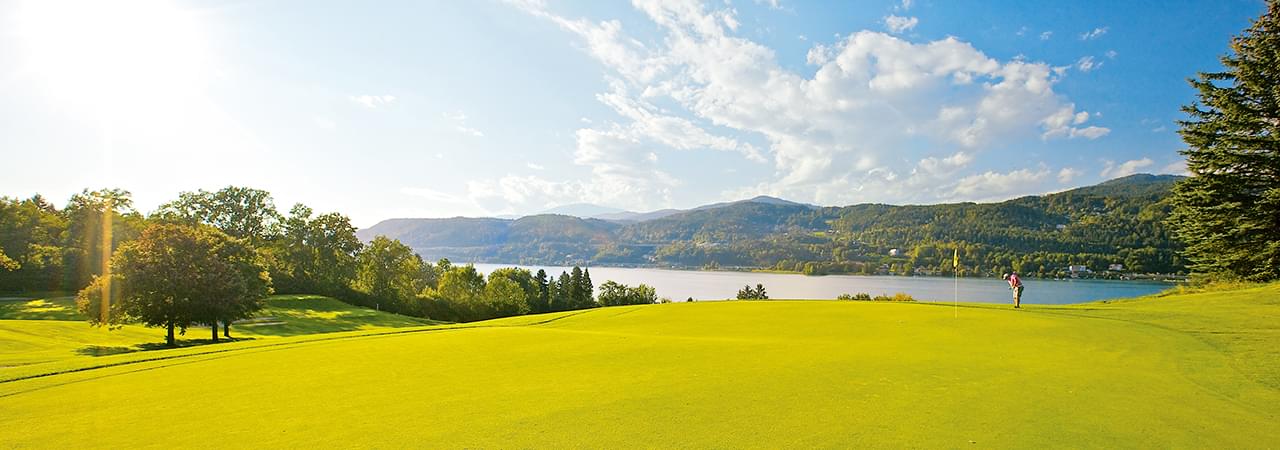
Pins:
x: 1193, y: 370
x: 50, y: 330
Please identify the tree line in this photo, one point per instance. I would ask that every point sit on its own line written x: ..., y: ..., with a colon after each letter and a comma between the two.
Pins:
x: 210, y: 258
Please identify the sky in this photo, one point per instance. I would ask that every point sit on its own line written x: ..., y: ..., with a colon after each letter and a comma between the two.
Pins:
x: 481, y: 108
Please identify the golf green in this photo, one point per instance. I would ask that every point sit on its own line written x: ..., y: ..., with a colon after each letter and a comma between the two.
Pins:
x: 1195, y: 370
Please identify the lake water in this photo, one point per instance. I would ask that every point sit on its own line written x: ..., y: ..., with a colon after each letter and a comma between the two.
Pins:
x: 710, y: 285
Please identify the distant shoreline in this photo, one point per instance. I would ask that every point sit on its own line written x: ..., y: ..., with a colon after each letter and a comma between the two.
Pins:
x: 1140, y: 278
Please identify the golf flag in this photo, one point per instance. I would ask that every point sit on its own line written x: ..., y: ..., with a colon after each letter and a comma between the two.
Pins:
x: 955, y: 265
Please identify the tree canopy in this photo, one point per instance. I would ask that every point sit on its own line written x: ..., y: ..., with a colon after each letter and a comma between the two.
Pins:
x: 176, y: 275
x: 1228, y: 213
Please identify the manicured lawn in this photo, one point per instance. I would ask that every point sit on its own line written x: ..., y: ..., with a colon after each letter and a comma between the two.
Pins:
x: 1193, y: 370
x: 50, y: 330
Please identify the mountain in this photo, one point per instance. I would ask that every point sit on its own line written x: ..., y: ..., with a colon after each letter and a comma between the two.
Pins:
x: 583, y: 210
x: 1116, y: 222
x: 764, y: 199
x: 590, y: 211
x: 628, y: 216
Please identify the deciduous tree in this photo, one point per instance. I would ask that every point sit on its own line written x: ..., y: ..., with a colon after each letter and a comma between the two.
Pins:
x: 176, y: 275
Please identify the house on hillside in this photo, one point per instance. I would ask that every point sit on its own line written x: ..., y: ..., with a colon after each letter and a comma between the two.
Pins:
x: 1077, y: 270
x: 1115, y: 267
x: 894, y: 252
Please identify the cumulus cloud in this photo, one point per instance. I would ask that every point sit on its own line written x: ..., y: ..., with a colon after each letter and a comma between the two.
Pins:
x: 992, y: 185
x: 1124, y: 169
x: 860, y: 126
x: 1063, y: 123
x: 1094, y: 34
x: 372, y: 101
x: 899, y: 24
x: 1046, y: 35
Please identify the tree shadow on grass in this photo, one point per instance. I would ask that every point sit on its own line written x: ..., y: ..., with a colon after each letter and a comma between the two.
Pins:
x: 307, y: 314
x: 105, y: 350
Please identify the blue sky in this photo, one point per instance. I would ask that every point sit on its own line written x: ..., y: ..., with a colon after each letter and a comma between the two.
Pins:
x: 433, y: 109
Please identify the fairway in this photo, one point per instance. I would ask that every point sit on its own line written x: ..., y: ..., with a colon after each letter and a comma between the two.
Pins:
x: 1194, y: 370
x: 41, y: 332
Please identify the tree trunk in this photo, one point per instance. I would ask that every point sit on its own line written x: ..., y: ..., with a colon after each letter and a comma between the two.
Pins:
x: 226, y: 329
x: 170, y: 340
x: 215, y: 330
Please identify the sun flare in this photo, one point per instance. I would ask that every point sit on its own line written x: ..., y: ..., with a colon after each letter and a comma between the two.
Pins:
x: 114, y: 56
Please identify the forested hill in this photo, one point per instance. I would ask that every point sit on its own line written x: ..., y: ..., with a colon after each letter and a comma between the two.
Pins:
x: 1116, y: 222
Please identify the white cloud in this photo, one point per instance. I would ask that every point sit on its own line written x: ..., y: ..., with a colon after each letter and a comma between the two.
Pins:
x: 1096, y: 33
x: 1111, y: 54
x: 1067, y: 174
x: 372, y: 101
x: 648, y: 122
x: 773, y: 4
x: 873, y: 103
x: 1178, y: 167
x: 1046, y: 35
x: 1111, y: 170
x: 1090, y: 132
x: 993, y: 185
x: 1087, y: 64
x: 899, y: 24
x: 905, y: 5
x: 459, y: 120
x: 1062, y: 123
x: 535, y: 166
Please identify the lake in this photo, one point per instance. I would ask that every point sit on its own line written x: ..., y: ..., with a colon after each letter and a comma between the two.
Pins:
x: 712, y: 285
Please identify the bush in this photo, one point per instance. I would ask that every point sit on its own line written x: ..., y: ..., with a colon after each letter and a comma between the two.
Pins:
x: 749, y: 293
x: 899, y: 297
x: 615, y: 294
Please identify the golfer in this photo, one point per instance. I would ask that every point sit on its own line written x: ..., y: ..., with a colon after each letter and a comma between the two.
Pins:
x: 1015, y: 284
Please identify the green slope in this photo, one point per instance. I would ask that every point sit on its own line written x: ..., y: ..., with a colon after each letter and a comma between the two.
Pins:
x: 1181, y: 371
x: 50, y: 330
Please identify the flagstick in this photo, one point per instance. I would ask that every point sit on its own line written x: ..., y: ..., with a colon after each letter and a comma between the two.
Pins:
x: 955, y: 273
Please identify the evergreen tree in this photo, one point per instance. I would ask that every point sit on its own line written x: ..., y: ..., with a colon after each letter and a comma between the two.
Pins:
x: 1228, y: 212
x: 575, y: 288
x: 587, y: 290
x: 562, y: 298
x: 544, y: 292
